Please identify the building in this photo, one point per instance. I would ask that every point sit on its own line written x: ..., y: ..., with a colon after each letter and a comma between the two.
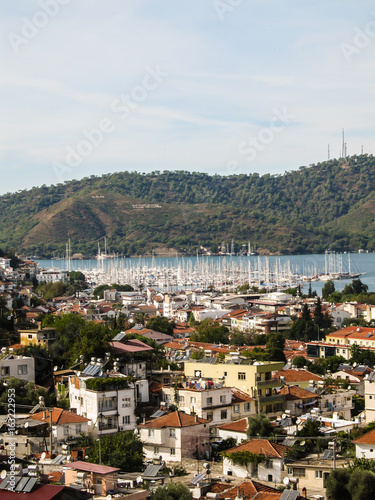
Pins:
x: 108, y: 402
x: 270, y: 469
x: 99, y: 479
x: 52, y: 275
x: 175, y: 436
x: 298, y: 400
x: 236, y: 430
x: 66, y: 425
x: 22, y: 367
x: 365, y: 445
x: 254, y: 379
x: 40, y: 336
x: 369, y: 388
x: 295, y: 376
x: 312, y: 472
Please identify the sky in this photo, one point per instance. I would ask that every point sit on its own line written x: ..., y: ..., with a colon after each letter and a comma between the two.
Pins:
x: 89, y: 87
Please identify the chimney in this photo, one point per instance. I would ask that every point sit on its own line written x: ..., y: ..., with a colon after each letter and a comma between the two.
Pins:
x: 196, y: 418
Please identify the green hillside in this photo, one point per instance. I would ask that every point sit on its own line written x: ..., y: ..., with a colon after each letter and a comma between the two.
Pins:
x: 328, y: 205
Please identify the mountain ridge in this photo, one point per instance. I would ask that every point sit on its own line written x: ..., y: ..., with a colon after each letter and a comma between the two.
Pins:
x: 327, y: 205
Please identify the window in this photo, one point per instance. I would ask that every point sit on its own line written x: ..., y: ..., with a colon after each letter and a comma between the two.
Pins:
x: 181, y: 399
x: 126, y: 402
x: 172, y: 433
x: 225, y: 374
x: 29, y: 337
x: 193, y: 401
x: 223, y: 399
x: 210, y: 416
x: 299, y: 472
x: 290, y: 471
x: 319, y: 474
x: 66, y: 430
x: 209, y: 401
x: 5, y: 370
x: 236, y: 408
x: 156, y: 450
x: 22, y: 369
x: 126, y: 419
x: 173, y: 451
x: 151, y: 432
x: 268, y: 464
x: 78, y: 429
x: 246, y: 407
x: 224, y: 414
x: 241, y: 376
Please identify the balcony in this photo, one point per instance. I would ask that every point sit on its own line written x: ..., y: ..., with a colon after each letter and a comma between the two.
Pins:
x: 267, y: 382
x: 266, y: 399
x: 108, y: 427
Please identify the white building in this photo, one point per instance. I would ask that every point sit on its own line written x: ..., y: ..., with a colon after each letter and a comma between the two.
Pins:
x: 17, y: 366
x: 365, y: 446
x: 109, y: 402
x: 175, y: 436
x: 271, y: 469
x: 52, y: 275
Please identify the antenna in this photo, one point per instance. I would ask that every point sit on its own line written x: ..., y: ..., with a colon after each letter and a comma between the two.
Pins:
x: 343, y: 143
x: 329, y: 155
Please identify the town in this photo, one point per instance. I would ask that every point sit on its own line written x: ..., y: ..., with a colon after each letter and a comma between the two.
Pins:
x: 112, y: 391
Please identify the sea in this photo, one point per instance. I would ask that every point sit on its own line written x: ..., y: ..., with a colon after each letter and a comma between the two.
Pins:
x: 305, y: 265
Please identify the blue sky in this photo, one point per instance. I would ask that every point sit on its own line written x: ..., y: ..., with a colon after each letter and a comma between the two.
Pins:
x: 240, y: 86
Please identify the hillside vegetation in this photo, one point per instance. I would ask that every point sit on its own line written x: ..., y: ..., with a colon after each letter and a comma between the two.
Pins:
x: 328, y: 205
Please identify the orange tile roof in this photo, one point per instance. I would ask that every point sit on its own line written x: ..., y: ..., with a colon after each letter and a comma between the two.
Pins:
x: 294, y: 375
x: 240, y: 396
x: 262, y: 447
x: 368, y: 438
x: 237, y: 426
x: 59, y: 417
x: 251, y: 489
x: 175, y: 419
x: 293, y: 392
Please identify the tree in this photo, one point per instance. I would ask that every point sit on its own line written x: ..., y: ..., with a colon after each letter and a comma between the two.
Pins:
x: 172, y: 491
x: 161, y: 324
x: 123, y: 450
x: 336, y: 485
x: 310, y: 429
x: 328, y: 289
x: 259, y: 425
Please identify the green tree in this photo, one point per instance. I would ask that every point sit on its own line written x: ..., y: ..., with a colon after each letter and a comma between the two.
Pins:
x: 336, y: 485
x: 328, y: 289
x: 172, y: 491
x: 259, y: 425
x: 123, y: 450
x: 161, y: 324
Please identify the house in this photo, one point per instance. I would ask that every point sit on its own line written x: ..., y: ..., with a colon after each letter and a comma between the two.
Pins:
x: 253, y: 378
x: 66, y: 425
x: 43, y: 492
x: 40, y: 336
x: 369, y: 388
x: 11, y: 365
x: 243, y: 405
x: 99, y: 479
x: 312, y: 472
x: 295, y: 376
x: 298, y: 400
x: 236, y: 430
x: 209, y: 402
x: 269, y: 469
x: 52, y: 275
x: 108, y: 402
x: 159, y: 337
x: 175, y: 436
x: 247, y: 490
x: 365, y: 445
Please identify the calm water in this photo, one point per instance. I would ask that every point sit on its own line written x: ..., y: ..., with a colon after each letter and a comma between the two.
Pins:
x: 304, y: 264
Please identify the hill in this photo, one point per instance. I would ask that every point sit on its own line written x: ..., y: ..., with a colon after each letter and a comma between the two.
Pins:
x: 328, y: 205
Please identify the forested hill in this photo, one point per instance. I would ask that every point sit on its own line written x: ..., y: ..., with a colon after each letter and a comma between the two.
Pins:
x: 328, y: 205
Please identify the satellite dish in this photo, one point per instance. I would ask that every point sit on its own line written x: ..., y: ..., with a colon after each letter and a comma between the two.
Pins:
x: 108, y: 497
x: 55, y: 368
x: 43, y: 455
x: 286, y: 481
x: 68, y: 458
x: 3, y: 474
x: 349, y: 387
x: 302, y: 443
x: 26, y: 425
x: 78, y: 374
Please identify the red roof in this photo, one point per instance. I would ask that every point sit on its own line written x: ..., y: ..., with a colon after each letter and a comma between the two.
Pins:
x: 294, y: 375
x: 42, y: 492
x: 131, y: 345
x: 262, y: 447
x: 59, y: 417
x: 175, y: 419
x: 95, y: 468
x: 294, y: 392
x: 368, y: 438
x: 237, y: 426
